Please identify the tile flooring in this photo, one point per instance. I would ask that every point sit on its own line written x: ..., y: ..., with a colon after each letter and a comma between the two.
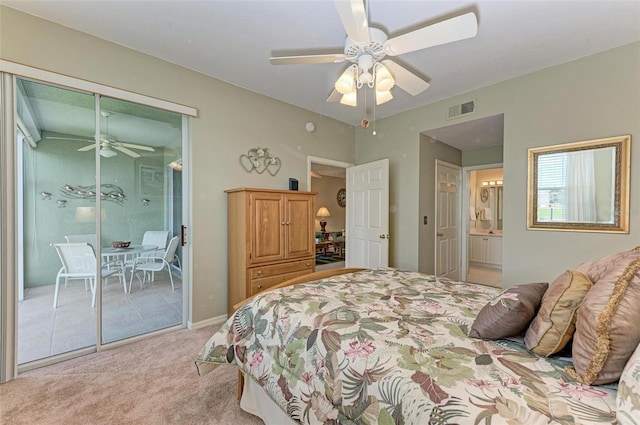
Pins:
x: 44, y: 331
x: 485, y: 276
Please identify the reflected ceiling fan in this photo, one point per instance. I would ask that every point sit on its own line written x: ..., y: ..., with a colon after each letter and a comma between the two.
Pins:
x: 109, y: 144
x: 366, y: 48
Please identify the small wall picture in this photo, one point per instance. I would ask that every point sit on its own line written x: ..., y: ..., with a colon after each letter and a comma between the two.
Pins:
x: 150, y: 180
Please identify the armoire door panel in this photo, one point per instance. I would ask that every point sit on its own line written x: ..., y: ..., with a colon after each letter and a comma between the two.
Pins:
x: 268, y: 243
x: 299, y: 210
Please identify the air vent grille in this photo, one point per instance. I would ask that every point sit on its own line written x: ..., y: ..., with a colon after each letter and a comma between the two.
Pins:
x: 461, y: 109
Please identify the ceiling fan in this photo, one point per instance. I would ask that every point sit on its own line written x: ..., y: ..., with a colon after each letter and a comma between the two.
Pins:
x: 366, y: 47
x: 109, y: 144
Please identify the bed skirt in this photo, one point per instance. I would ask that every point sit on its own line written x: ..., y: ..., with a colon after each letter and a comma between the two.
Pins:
x: 256, y: 401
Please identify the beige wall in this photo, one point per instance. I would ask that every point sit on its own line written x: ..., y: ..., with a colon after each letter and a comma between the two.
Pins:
x: 230, y: 121
x: 327, y: 188
x: 593, y: 97
x: 488, y: 155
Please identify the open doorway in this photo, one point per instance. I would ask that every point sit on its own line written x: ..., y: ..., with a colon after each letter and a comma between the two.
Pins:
x: 484, y: 248
x: 328, y: 178
x: 478, y: 144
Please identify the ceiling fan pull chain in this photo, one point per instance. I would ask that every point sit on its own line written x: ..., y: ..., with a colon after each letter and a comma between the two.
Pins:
x: 374, y: 116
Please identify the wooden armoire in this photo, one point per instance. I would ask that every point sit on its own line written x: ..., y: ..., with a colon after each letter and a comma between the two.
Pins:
x: 270, y: 239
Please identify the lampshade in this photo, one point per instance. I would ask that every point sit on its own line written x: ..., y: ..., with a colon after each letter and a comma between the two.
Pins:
x: 346, y: 83
x: 107, y: 152
x: 383, y: 96
x: 384, y: 79
x: 350, y: 99
x: 323, y: 212
x: 176, y: 165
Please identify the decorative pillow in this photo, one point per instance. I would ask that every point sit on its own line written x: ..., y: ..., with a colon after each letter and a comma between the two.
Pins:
x: 509, y: 313
x: 607, y: 331
x: 595, y: 270
x: 628, y: 396
x: 553, y: 326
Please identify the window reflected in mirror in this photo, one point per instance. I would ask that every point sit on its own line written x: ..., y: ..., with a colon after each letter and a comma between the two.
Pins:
x: 581, y: 186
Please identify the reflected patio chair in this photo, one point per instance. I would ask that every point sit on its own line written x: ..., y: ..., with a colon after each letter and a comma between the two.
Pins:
x: 155, y: 264
x: 90, y: 238
x: 79, y: 262
x: 156, y: 238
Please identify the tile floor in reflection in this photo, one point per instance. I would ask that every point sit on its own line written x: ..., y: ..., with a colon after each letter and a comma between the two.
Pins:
x: 44, y: 331
x: 485, y: 276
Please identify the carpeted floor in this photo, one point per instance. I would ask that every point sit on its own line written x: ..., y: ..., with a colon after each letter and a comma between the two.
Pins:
x: 147, y: 382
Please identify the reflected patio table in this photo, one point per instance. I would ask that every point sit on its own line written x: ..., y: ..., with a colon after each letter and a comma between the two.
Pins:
x: 120, y: 255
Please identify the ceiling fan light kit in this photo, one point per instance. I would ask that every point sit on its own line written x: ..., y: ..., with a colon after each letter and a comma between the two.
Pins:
x: 107, y: 152
x: 383, y: 96
x: 366, y: 47
x: 350, y: 99
x: 346, y: 82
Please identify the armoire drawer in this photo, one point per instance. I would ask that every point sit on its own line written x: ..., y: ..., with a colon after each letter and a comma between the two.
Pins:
x: 265, y: 277
x: 283, y: 268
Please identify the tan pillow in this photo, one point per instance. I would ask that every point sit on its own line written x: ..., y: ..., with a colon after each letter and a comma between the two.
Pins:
x: 594, y: 270
x: 509, y: 313
x: 553, y: 326
x: 607, y: 328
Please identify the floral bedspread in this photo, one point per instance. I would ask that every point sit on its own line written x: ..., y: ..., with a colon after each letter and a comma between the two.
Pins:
x: 391, y: 347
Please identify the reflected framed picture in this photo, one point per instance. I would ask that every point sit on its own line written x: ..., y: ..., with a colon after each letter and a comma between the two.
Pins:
x: 150, y: 180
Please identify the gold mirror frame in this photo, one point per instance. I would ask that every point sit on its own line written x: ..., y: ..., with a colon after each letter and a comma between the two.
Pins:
x: 622, y: 146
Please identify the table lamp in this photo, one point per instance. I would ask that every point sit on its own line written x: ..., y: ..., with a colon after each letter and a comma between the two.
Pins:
x: 322, y: 213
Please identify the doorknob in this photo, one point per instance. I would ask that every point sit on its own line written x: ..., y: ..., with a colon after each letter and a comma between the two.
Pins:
x: 439, y: 234
x: 383, y: 236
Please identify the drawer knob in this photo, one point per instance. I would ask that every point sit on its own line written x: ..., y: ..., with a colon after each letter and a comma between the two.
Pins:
x: 308, y: 264
x: 259, y: 272
x: 259, y: 286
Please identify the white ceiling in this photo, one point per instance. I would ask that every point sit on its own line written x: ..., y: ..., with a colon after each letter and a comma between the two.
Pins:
x: 233, y: 40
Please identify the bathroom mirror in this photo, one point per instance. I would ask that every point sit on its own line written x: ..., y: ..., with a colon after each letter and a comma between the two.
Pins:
x: 580, y: 186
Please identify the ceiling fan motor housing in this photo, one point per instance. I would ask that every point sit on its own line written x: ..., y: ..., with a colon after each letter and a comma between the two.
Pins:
x: 375, y: 47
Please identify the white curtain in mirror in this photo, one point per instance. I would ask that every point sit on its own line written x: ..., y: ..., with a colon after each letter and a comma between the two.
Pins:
x: 580, y: 200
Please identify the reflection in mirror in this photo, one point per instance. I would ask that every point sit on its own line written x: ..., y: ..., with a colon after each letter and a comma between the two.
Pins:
x: 580, y: 186
x: 486, y: 200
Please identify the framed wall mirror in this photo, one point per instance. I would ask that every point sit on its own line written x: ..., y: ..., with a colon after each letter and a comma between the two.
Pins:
x: 580, y: 186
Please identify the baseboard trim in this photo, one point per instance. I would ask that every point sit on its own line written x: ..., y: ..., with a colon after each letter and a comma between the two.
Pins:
x: 209, y: 322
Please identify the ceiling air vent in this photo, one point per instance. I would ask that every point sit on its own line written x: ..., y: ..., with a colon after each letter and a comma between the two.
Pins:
x: 461, y: 109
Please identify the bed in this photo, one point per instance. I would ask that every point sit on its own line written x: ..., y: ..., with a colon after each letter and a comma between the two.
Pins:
x: 387, y: 346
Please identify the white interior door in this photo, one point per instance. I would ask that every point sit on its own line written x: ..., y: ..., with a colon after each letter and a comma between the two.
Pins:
x: 448, y: 220
x: 367, y: 236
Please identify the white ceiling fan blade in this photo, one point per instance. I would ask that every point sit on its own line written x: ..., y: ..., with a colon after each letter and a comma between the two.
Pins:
x: 295, y: 60
x: 68, y: 138
x: 454, y: 29
x: 354, y: 19
x: 129, y: 152
x: 405, y: 79
x: 134, y: 146
x: 335, y: 96
x: 87, y: 148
